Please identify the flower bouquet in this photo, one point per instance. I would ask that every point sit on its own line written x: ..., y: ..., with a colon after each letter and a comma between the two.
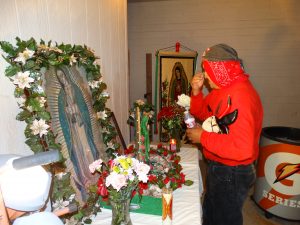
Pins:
x: 165, y: 172
x: 119, y: 178
x: 172, y: 121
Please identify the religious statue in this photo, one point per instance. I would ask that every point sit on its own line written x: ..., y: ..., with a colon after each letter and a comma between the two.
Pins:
x: 74, y: 121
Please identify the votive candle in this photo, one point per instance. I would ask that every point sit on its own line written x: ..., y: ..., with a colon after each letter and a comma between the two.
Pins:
x: 173, y: 144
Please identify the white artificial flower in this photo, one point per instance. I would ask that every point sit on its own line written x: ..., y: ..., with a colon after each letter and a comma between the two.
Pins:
x: 184, y: 101
x: 38, y: 89
x: 151, y: 114
x: 140, y: 102
x: 23, y: 56
x: 60, y: 175
x: 23, y: 80
x: 110, y: 145
x: 60, y: 204
x: 104, y: 94
x: 95, y: 83
x: 73, y: 59
x: 39, y: 127
x: 29, y: 108
x: 104, y: 130
x: 21, y: 101
x: 102, y: 115
x: 72, y: 196
x: 42, y: 101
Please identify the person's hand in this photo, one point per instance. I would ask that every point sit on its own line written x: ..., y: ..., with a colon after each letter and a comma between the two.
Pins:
x: 197, y: 83
x: 194, y: 134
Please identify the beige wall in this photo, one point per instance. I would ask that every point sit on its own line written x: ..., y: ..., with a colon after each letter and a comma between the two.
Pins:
x: 265, y: 32
x: 100, y: 24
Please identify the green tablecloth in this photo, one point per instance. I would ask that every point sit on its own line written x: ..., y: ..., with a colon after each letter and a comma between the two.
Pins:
x: 147, y: 205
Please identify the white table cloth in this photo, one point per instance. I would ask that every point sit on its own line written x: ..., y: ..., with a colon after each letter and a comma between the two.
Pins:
x: 186, y: 200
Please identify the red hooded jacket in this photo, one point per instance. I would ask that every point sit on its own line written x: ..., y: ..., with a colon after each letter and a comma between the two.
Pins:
x: 241, y: 145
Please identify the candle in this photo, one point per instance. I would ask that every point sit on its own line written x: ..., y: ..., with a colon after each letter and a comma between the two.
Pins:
x: 167, y: 205
x: 173, y: 145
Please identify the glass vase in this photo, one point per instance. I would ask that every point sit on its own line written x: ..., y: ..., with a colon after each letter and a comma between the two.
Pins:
x: 120, y: 210
x: 167, y: 206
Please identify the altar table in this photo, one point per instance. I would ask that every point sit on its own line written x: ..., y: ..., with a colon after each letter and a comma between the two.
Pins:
x: 186, y: 200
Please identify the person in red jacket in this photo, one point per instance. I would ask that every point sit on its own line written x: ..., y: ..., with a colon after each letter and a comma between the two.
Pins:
x: 230, y: 155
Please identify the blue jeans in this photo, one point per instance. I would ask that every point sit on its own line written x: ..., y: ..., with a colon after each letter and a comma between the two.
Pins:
x: 226, y: 191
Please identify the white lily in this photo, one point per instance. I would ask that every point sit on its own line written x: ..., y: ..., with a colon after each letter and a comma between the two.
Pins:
x: 39, y: 127
x: 102, y: 115
x: 22, y: 79
x: 23, y: 56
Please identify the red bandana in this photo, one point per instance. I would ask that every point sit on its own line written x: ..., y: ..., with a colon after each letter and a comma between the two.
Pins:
x: 224, y: 73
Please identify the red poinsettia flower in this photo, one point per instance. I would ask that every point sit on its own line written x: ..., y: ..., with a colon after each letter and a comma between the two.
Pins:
x: 159, y: 145
x: 182, y: 176
x: 129, y: 150
x: 166, y: 180
x: 152, y: 178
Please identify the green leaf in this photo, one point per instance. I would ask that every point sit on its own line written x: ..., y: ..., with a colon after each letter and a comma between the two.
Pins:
x: 34, y: 144
x: 188, y: 182
x: 8, y: 48
x: 23, y: 115
x: 29, y: 64
x: 87, y: 221
x: 35, y: 104
x: 18, y: 92
x: 44, y: 115
x: 12, y: 70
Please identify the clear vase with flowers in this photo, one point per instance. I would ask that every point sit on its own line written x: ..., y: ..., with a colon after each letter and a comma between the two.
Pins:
x: 119, y: 178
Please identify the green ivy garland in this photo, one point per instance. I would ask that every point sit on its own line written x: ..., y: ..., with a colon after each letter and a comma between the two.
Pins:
x: 27, y: 62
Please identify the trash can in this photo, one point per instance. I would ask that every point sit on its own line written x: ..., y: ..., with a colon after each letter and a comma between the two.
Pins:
x: 277, y: 187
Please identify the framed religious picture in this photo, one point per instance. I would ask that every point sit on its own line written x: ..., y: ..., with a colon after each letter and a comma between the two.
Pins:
x: 175, y: 71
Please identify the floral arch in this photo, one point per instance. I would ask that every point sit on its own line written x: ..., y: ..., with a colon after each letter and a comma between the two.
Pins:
x: 30, y: 67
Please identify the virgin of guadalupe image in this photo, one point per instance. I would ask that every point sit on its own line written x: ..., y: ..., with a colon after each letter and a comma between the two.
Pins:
x: 178, y: 83
x: 74, y: 121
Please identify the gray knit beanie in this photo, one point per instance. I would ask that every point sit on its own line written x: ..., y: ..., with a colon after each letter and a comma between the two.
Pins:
x: 220, y: 52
